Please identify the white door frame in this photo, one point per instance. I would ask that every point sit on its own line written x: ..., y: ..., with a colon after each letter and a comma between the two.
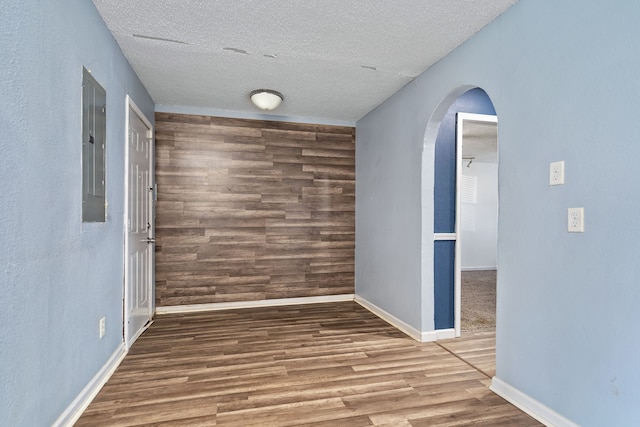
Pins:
x: 131, y: 106
x: 461, y: 118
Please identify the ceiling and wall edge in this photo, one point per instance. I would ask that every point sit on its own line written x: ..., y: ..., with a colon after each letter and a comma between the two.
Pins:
x: 201, y: 111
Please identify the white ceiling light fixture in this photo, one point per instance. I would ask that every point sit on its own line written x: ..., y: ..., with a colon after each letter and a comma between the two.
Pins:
x: 266, y: 99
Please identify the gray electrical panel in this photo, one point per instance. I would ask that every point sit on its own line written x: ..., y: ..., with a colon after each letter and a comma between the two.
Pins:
x: 94, y: 129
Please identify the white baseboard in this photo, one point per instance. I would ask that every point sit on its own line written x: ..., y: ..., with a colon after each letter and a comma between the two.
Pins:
x: 491, y: 267
x: 82, y: 401
x: 439, y: 334
x: 252, y: 304
x: 537, y: 410
x: 389, y: 318
x: 429, y: 336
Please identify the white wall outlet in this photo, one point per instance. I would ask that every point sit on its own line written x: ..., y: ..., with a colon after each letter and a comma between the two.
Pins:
x: 576, y: 220
x: 103, y: 326
x: 556, y: 173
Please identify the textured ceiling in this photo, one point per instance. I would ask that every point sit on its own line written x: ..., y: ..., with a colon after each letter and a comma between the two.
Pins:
x: 332, y: 59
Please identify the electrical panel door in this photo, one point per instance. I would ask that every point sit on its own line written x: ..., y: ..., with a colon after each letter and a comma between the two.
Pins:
x: 94, y: 129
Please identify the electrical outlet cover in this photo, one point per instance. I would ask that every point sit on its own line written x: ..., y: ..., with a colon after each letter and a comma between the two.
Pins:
x: 575, y: 220
x: 556, y: 173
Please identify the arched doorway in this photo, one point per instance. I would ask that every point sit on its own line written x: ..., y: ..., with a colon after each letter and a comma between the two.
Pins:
x: 453, y: 215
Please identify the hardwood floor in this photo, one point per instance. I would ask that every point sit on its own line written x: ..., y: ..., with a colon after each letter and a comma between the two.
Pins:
x: 314, y: 365
x: 477, y: 348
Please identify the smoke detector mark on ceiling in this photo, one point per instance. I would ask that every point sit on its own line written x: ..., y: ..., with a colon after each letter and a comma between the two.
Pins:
x: 368, y: 67
x: 160, y: 39
x: 236, y: 50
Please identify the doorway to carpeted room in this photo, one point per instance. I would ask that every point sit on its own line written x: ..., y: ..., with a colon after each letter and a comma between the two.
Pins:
x: 478, y: 300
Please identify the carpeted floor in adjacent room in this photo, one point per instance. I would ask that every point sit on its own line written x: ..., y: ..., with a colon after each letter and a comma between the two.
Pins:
x: 478, y: 300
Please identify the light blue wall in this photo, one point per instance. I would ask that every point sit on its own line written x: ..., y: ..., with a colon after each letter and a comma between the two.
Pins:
x: 564, y: 78
x: 388, y: 213
x: 58, y: 276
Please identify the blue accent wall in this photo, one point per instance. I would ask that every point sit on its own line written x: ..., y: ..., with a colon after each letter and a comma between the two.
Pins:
x: 444, y: 252
x: 444, y: 201
x: 59, y: 275
x: 563, y: 77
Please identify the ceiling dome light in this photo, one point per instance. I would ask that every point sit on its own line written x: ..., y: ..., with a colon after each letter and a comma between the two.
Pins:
x: 266, y: 99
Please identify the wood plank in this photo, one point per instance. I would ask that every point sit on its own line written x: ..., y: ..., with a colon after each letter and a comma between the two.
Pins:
x: 313, y: 365
x: 234, y: 194
x: 478, y: 348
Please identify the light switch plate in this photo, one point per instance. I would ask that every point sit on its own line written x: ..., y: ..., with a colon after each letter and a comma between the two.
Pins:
x: 102, y: 327
x: 556, y: 173
x: 576, y: 220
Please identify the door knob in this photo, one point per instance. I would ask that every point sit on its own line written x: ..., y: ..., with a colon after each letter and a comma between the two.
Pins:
x: 149, y: 240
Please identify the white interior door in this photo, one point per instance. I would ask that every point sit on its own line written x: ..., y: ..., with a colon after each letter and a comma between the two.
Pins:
x: 464, y: 123
x: 139, y: 239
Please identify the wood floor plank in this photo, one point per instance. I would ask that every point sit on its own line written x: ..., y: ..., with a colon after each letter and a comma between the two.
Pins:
x: 478, y: 348
x: 309, y: 365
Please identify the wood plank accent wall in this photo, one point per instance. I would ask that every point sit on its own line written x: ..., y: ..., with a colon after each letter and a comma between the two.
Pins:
x: 252, y: 210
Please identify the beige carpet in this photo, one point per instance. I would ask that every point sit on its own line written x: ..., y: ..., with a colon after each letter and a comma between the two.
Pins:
x: 478, y: 300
